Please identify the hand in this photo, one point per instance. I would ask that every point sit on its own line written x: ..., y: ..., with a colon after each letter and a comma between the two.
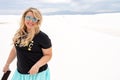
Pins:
x: 33, y: 70
x: 6, y: 68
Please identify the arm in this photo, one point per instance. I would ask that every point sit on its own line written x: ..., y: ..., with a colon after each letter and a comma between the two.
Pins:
x: 47, y: 56
x: 11, y: 57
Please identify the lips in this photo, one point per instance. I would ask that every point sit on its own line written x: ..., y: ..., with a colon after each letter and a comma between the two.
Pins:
x: 30, y: 24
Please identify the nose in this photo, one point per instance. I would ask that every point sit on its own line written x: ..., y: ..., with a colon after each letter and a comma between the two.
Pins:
x: 30, y: 20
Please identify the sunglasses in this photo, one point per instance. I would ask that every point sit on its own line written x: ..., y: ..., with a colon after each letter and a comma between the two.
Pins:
x: 28, y: 18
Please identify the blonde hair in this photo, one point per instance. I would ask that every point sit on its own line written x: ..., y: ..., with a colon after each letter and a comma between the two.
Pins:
x: 21, y: 32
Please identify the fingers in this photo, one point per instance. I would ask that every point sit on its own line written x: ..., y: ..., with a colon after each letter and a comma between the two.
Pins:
x: 32, y: 71
x: 5, y: 69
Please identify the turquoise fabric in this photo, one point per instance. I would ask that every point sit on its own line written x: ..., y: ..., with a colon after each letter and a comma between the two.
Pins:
x: 44, y: 75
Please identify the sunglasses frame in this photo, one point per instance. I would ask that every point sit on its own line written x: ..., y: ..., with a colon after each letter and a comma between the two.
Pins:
x: 28, y: 18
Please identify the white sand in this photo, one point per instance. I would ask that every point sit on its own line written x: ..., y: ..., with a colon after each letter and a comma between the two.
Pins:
x: 85, y: 47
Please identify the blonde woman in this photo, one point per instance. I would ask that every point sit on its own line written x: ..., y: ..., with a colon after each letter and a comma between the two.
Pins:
x: 32, y: 47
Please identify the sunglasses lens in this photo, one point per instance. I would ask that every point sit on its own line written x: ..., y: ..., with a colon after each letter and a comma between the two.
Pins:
x: 34, y: 19
x: 31, y: 18
x: 27, y: 18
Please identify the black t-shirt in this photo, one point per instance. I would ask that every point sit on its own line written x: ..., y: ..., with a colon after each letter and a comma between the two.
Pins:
x: 27, y: 56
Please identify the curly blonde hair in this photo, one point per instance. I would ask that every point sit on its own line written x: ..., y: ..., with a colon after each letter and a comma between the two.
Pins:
x: 21, y: 32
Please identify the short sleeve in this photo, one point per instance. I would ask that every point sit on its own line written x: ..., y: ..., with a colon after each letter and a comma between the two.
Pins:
x: 44, y: 41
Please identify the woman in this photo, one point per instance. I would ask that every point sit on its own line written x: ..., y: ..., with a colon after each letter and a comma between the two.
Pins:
x: 32, y: 47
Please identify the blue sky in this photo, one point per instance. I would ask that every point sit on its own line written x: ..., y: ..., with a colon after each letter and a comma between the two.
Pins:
x: 51, y: 7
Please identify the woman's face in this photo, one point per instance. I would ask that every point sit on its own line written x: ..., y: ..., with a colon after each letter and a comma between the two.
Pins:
x: 30, y: 20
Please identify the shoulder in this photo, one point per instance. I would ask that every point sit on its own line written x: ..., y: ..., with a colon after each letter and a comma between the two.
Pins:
x: 43, y: 39
x: 42, y: 34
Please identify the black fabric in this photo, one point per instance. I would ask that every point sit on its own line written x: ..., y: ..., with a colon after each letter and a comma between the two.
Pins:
x: 27, y: 56
x: 6, y: 75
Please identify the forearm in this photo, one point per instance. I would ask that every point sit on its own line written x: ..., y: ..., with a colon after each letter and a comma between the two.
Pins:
x: 11, y: 56
x: 47, y: 54
x: 43, y: 60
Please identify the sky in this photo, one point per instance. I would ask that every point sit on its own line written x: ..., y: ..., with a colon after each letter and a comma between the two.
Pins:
x: 52, y: 7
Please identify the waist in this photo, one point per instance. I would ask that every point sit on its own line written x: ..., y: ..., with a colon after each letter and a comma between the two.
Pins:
x: 24, y: 70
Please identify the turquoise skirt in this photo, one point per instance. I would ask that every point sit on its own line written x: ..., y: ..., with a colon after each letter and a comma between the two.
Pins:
x: 44, y: 75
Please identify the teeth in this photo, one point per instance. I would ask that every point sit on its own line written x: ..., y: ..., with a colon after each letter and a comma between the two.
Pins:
x: 30, y: 24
